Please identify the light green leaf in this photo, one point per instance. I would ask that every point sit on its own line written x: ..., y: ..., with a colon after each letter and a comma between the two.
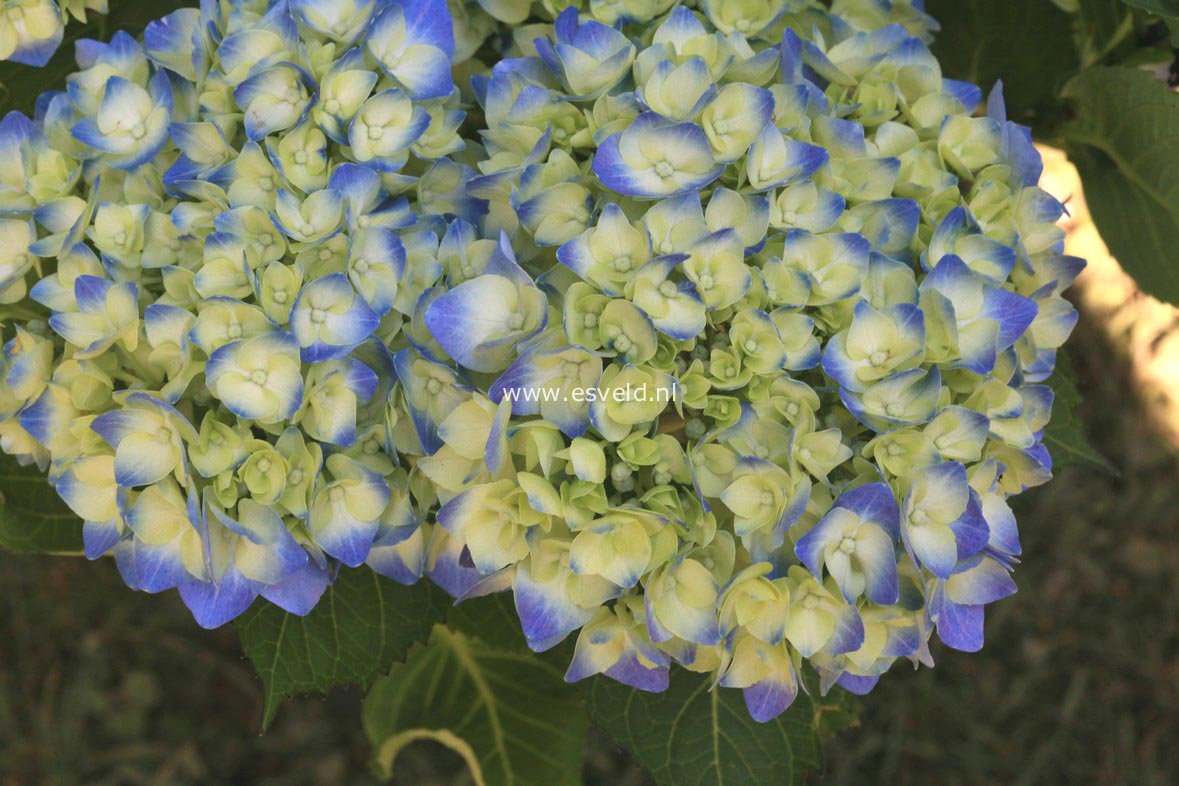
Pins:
x: 32, y: 517
x: 1026, y: 43
x: 1064, y: 435
x: 1124, y: 141
x: 363, y: 624
x: 509, y: 714
x: 691, y: 735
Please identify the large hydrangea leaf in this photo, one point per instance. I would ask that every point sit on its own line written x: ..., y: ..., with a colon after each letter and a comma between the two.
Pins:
x: 33, y: 517
x: 1028, y: 44
x: 1124, y: 145
x: 362, y: 625
x: 691, y: 735
x: 507, y: 713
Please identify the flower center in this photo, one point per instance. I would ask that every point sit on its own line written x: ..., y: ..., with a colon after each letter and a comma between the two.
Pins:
x: 847, y: 546
x: 318, y: 315
x: 664, y: 169
x: 259, y: 377
x: 163, y: 435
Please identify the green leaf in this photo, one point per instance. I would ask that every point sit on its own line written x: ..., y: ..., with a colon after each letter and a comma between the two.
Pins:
x: 1064, y: 435
x: 20, y: 85
x: 1102, y: 25
x: 1168, y: 10
x: 510, y: 715
x: 32, y: 517
x: 1124, y: 141
x: 692, y: 735
x: 1026, y: 43
x: 491, y: 619
x: 363, y: 624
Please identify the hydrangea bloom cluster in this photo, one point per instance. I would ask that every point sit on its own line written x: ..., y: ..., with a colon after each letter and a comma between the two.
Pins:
x: 715, y: 332
x: 31, y: 30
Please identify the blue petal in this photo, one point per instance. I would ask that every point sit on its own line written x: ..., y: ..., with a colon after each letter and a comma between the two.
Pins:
x: 959, y: 627
x: 860, y: 686
x: 299, y: 592
x: 158, y: 567
x: 213, y: 605
x: 873, y: 502
x: 1013, y: 312
x: 547, y: 615
x: 98, y: 537
x: 769, y: 698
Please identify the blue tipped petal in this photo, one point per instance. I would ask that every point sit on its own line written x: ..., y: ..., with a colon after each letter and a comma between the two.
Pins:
x: 214, y: 604
x: 299, y: 592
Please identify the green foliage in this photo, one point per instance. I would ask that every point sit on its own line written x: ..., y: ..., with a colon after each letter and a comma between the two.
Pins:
x: 508, y: 714
x: 1101, y: 25
x: 362, y: 625
x: 492, y: 619
x: 1168, y: 10
x: 32, y: 517
x: 1124, y: 144
x: 1065, y: 436
x: 690, y: 734
x: 1026, y: 43
x: 20, y: 85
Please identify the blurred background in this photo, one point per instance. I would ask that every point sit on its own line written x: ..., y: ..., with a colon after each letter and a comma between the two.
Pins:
x: 1078, y: 682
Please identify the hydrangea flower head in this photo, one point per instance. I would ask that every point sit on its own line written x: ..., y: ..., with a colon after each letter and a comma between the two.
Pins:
x: 715, y: 333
